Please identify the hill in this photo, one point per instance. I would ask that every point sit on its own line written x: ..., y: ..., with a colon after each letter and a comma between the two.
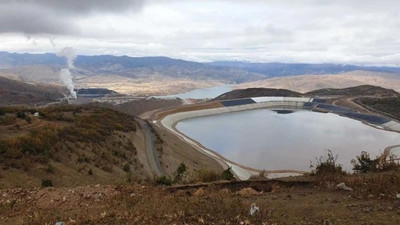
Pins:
x: 17, y: 92
x: 257, y: 92
x: 362, y: 90
x: 306, y: 83
x: 293, y: 69
x: 68, y: 145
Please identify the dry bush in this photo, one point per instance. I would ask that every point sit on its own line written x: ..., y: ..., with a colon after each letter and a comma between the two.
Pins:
x: 262, y: 175
x: 203, y: 176
x: 385, y: 185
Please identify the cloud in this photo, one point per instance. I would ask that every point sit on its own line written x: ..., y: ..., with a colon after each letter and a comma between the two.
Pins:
x: 55, y: 16
x: 342, y: 31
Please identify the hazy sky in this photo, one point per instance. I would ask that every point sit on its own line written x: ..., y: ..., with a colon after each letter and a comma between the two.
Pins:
x: 340, y: 31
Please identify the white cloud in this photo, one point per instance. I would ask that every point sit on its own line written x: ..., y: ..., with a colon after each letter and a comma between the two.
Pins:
x: 357, y: 31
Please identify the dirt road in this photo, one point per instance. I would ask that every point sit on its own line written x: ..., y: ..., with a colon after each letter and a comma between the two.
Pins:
x: 150, y: 149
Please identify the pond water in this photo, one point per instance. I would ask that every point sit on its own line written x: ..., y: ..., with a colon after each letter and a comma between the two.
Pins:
x: 201, y: 93
x: 273, y: 140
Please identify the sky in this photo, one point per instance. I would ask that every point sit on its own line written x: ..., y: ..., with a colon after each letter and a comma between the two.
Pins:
x: 363, y: 32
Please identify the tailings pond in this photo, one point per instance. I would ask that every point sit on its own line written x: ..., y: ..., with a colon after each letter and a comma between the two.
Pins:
x: 265, y: 139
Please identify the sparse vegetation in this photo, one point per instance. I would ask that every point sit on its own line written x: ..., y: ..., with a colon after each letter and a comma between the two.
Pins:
x: 389, y: 105
x: 70, y: 135
x: 364, y: 163
x: 326, y: 165
x: 163, y: 180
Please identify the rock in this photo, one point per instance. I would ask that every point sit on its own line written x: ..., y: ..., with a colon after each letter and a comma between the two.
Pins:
x: 248, y: 192
x: 253, y: 209
x: 103, y: 214
x: 343, y: 186
x: 371, y: 196
x: 200, y: 192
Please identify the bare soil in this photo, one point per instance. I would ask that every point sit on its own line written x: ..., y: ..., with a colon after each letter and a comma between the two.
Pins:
x: 212, y: 204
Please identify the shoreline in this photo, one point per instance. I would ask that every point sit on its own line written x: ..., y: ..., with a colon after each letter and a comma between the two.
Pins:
x: 169, y: 122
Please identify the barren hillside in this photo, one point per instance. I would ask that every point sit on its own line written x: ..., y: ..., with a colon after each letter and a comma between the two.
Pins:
x: 306, y: 83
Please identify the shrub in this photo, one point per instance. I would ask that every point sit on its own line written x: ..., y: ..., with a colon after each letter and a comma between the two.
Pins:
x: 90, y: 172
x: 21, y: 115
x: 227, y: 174
x: 326, y: 165
x: 384, y: 162
x: 47, y: 183
x: 204, y: 176
x: 163, y: 180
x: 180, y: 172
x: 2, y: 112
x: 364, y: 163
x: 127, y: 167
x: 261, y: 175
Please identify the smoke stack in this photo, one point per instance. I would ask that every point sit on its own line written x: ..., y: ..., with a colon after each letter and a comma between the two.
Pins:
x: 65, y: 74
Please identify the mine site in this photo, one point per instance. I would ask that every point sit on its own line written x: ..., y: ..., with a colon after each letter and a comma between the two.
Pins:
x: 192, y: 112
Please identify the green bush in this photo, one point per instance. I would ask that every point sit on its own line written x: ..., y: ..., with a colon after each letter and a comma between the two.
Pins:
x: 227, y: 174
x: 163, y: 180
x: 364, y: 163
x: 47, y: 183
x: 180, y: 172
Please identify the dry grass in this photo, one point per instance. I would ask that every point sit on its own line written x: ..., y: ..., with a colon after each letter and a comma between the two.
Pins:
x: 152, y: 205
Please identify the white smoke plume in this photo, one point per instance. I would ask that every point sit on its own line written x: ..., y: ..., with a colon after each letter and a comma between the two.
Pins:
x: 65, y: 74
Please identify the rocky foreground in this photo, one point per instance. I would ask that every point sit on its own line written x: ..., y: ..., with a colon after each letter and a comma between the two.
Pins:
x: 220, y: 203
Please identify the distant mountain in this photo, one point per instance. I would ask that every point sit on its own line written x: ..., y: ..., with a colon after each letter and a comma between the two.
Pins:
x: 15, y: 59
x: 133, y: 67
x: 292, y: 69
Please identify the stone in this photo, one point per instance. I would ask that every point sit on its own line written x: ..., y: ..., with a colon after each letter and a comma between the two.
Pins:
x: 199, y: 192
x: 343, y: 186
x: 248, y: 192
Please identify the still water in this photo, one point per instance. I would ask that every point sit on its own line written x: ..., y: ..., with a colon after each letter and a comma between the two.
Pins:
x: 201, y: 93
x: 265, y: 139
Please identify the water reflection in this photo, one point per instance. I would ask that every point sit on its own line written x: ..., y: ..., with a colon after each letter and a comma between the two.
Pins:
x: 269, y: 140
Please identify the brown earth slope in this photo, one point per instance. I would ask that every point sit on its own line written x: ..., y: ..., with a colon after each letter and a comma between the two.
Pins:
x: 17, y: 92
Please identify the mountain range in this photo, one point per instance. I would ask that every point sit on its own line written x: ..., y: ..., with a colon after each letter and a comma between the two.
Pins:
x: 147, y: 76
